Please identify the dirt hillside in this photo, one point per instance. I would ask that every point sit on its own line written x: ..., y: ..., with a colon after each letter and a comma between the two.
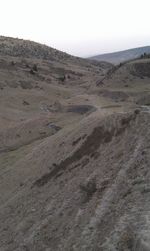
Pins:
x: 74, y: 152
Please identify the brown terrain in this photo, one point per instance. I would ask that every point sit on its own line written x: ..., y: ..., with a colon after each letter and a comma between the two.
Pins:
x: 74, y: 151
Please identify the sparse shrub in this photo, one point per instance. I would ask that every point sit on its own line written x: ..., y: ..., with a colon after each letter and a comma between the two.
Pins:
x: 62, y: 78
x: 25, y: 103
x: 88, y: 189
x: 136, y: 111
x: 12, y: 63
x: 35, y: 67
x: 25, y: 84
x: 145, y: 55
x: 32, y: 72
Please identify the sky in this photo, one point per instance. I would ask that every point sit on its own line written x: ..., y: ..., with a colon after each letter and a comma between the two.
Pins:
x: 79, y: 27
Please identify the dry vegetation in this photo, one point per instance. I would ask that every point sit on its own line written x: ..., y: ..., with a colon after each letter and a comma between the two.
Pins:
x: 74, y: 151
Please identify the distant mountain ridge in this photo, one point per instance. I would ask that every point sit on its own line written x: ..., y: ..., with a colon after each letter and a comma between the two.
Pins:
x: 122, y: 56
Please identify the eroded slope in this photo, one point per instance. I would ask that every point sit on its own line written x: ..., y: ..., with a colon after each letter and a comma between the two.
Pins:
x: 74, y: 151
x: 89, y: 192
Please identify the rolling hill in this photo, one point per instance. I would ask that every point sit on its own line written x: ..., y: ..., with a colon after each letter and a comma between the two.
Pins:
x: 122, y: 56
x: 74, y: 151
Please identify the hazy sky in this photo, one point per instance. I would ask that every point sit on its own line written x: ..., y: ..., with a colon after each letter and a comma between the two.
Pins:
x: 79, y: 27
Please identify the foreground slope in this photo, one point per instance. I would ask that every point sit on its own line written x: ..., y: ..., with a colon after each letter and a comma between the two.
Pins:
x: 81, y: 194
x: 74, y: 151
x: 122, y: 56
